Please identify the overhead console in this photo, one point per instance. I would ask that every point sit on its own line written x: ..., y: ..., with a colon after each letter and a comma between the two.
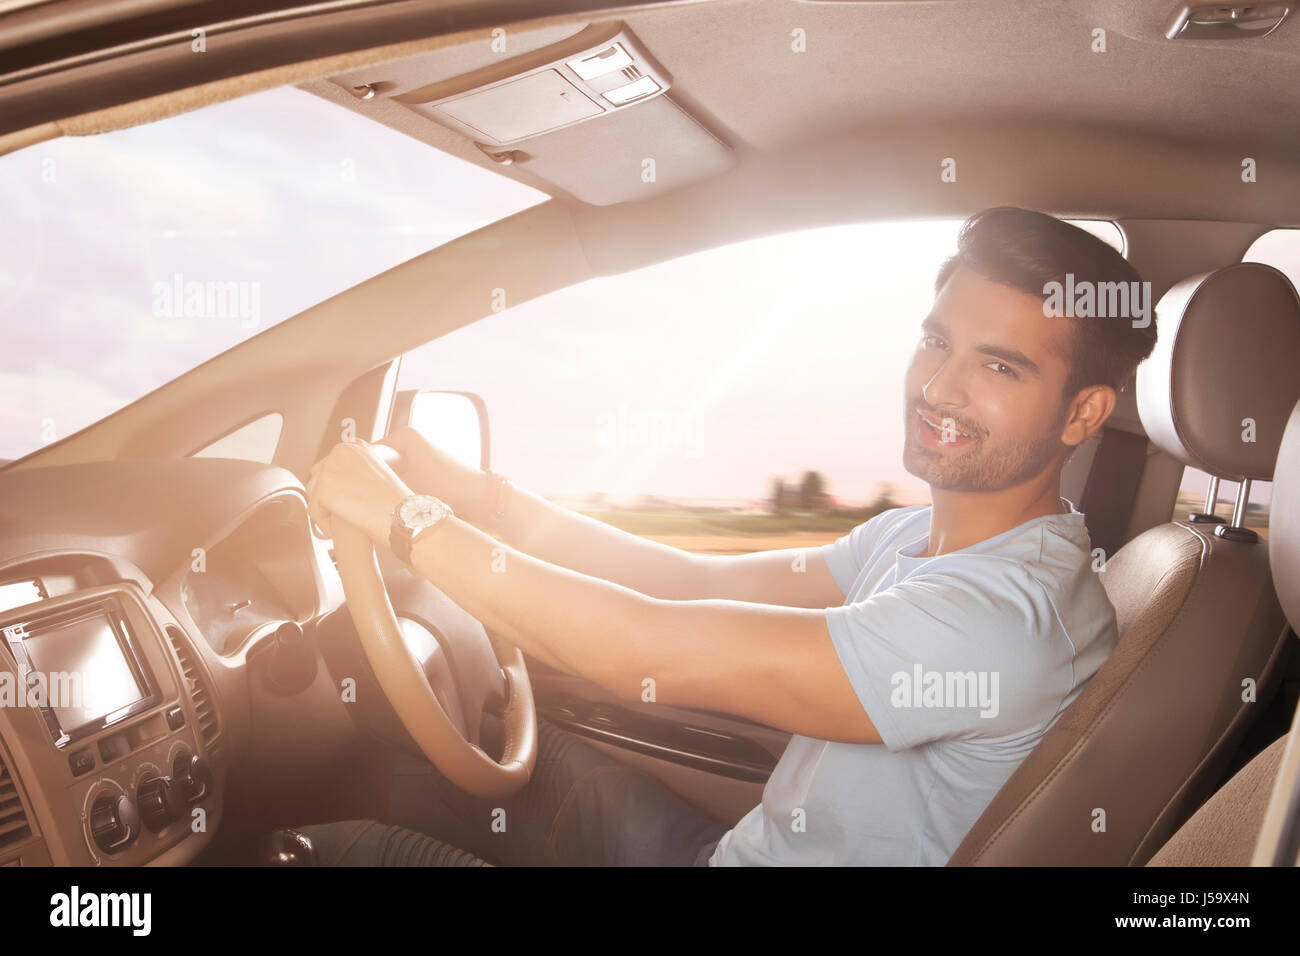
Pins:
x: 594, y: 114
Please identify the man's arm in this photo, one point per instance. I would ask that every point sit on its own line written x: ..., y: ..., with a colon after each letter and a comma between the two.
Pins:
x: 791, y: 577
x: 775, y: 665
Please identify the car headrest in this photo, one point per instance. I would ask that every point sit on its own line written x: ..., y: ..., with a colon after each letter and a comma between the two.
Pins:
x: 1284, y: 522
x: 1227, y: 356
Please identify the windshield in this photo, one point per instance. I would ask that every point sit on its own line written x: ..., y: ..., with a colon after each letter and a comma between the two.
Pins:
x: 133, y: 256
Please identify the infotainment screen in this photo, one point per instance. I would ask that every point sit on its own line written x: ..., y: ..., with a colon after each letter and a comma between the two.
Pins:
x: 84, y: 660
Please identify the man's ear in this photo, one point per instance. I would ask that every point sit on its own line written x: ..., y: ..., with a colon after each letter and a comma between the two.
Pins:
x: 1089, y: 410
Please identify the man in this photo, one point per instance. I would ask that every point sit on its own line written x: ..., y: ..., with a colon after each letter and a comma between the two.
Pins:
x: 916, y: 661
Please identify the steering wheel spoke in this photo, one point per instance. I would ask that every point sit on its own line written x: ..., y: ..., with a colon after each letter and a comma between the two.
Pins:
x: 412, y: 695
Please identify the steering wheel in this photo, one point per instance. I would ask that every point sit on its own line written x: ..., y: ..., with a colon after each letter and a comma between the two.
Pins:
x: 408, y: 687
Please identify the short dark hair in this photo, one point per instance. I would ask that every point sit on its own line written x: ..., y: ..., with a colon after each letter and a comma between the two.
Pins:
x: 1027, y: 250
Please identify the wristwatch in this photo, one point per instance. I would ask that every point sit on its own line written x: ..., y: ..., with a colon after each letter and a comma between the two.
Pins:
x: 412, y: 517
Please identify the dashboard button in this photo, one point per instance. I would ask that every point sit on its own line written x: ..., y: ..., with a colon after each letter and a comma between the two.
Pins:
x: 175, y: 718
x: 114, y: 822
x: 110, y: 748
x: 159, y: 803
x: 81, y: 762
x: 191, y: 775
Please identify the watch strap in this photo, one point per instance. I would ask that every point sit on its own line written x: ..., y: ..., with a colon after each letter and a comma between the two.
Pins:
x: 401, y: 538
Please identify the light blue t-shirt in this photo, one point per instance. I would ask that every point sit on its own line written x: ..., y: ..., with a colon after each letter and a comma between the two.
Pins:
x: 962, y: 662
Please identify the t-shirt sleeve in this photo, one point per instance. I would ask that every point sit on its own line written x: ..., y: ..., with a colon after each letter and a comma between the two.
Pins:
x: 973, y: 650
x: 846, y: 555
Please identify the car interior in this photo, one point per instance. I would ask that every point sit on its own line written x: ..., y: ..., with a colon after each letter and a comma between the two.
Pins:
x: 657, y: 130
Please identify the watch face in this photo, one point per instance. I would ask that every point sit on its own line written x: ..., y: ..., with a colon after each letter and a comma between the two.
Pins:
x: 420, y: 511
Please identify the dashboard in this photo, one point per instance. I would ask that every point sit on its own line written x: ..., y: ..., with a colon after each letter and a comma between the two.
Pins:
x: 133, y: 596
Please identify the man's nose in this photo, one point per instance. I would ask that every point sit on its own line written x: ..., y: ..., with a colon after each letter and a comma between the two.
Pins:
x: 946, y: 387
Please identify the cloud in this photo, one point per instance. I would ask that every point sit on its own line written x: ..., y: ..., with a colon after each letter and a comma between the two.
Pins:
x: 49, y: 403
x: 281, y: 189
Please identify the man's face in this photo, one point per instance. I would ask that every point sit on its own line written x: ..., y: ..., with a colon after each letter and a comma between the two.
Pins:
x: 983, y: 394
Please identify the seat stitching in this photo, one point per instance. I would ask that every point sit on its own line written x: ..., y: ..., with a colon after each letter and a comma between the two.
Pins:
x: 1160, y: 644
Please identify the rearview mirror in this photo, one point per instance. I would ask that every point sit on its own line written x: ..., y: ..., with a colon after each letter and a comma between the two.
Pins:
x: 454, y: 421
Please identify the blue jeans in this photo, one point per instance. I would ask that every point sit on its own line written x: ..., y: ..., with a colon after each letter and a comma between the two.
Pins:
x: 580, y: 808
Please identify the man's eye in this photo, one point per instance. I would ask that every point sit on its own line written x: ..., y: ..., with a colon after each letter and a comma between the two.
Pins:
x: 931, y: 340
x: 1003, y: 369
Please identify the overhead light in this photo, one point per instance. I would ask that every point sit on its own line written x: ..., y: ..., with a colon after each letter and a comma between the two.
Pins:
x: 612, y: 58
x: 600, y: 71
x: 524, y: 107
x: 1220, y: 21
x: 632, y: 91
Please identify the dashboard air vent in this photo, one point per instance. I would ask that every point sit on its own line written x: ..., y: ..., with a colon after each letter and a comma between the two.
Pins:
x: 14, y: 826
x: 204, y: 709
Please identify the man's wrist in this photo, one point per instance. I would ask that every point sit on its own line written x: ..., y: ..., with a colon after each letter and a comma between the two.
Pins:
x: 414, y: 518
x: 468, y: 497
x: 381, y: 530
x: 494, y: 501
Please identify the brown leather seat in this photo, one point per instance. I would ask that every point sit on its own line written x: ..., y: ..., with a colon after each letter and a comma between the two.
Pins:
x: 1199, y: 621
x: 1224, y: 831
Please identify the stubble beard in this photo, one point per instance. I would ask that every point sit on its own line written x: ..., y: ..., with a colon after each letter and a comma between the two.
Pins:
x: 984, y: 466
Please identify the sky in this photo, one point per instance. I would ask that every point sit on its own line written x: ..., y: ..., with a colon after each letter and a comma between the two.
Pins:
x: 704, y: 377
x: 280, y: 189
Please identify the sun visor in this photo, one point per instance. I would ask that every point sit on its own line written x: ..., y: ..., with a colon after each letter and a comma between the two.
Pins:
x: 592, y: 114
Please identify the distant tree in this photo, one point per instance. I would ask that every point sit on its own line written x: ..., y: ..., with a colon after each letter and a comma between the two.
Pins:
x: 886, y: 497
x: 812, y: 491
x: 776, y: 496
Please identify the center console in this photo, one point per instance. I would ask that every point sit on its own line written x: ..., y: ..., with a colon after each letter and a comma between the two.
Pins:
x: 105, y: 727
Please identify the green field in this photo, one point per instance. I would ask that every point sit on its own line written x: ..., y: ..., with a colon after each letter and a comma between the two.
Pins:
x: 723, y: 523
x: 705, y: 531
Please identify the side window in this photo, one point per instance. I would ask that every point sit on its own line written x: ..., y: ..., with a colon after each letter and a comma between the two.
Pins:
x: 1279, y: 248
x: 255, y: 441
x: 742, y: 398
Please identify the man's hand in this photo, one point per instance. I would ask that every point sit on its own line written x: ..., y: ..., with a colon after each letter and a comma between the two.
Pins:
x: 353, y: 484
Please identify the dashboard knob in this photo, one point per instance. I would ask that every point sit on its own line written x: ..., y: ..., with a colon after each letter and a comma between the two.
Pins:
x: 114, y: 822
x: 160, y: 803
x: 191, y: 774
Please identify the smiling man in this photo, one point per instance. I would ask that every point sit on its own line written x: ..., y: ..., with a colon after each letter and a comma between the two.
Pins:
x: 916, y: 661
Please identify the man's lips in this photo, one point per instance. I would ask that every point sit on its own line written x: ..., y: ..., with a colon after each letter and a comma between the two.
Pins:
x: 932, y: 429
